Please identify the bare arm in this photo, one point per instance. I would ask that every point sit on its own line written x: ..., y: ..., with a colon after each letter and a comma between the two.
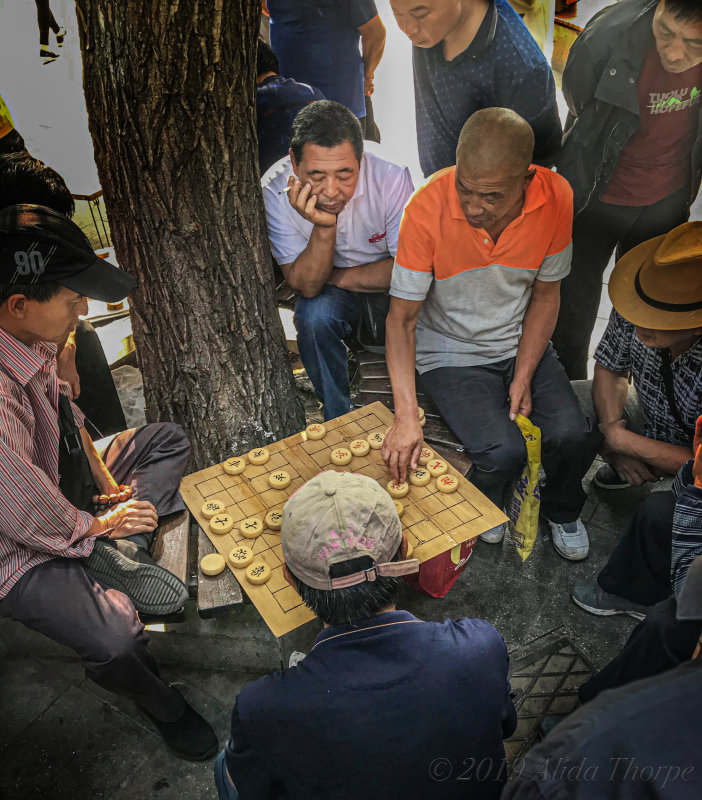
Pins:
x: 403, y: 441
x: 537, y: 328
x: 312, y: 269
x: 374, y: 277
x: 372, y: 46
x: 636, y: 458
x: 609, y: 390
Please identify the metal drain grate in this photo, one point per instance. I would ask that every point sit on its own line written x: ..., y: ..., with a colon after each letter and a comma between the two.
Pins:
x: 545, y: 675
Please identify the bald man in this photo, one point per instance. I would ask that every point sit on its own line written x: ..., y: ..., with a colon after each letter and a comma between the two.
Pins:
x: 483, y: 247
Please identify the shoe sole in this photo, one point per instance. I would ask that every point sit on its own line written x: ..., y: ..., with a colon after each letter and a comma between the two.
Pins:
x: 610, y: 486
x: 152, y: 589
x: 569, y: 557
x: 606, y: 612
x: 48, y: 60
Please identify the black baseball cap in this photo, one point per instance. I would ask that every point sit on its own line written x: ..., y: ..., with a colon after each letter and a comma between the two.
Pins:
x: 38, y: 245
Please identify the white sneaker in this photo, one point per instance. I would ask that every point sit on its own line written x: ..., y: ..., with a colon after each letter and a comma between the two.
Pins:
x: 570, y: 539
x: 494, y: 535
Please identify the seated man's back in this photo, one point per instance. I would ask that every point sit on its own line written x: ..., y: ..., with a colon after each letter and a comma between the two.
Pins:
x: 392, y: 707
x: 385, y: 705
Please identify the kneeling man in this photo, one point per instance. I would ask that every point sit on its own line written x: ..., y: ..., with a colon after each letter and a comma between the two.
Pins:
x: 475, y: 292
x: 334, y: 236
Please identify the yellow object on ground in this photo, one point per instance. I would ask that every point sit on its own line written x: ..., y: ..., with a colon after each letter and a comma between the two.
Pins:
x: 523, y: 510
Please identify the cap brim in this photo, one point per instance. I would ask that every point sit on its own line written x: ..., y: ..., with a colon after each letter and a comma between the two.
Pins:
x: 101, y: 281
x: 628, y: 303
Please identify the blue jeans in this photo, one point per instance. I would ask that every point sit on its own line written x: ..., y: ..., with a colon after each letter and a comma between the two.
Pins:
x: 322, y: 324
x: 225, y: 790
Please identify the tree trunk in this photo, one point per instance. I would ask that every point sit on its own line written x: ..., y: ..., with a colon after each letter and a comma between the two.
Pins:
x: 170, y: 91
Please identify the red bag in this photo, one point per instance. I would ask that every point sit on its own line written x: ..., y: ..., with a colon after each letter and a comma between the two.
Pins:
x: 437, y: 575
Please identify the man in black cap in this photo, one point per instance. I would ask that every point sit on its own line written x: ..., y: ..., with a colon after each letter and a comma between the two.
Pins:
x: 61, y: 506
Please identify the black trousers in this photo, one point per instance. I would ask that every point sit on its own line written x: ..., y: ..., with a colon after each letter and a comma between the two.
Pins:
x: 58, y: 598
x: 639, y: 567
x: 45, y: 20
x: 473, y: 401
x: 98, y: 398
x: 596, y: 234
x: 658, y: 643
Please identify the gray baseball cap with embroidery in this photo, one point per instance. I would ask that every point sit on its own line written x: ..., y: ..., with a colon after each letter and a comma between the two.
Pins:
x: 336, y: 517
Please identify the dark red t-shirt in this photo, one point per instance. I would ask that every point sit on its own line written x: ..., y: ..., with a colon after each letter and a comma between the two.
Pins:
x: 656, y: 160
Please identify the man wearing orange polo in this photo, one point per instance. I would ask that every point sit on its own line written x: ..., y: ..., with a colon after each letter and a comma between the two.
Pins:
x: 475, y: 294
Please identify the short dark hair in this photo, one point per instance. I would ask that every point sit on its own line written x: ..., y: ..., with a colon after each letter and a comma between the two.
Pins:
x: 41, y: 292
x: 25, y: 179
x: 327, y: 124
x: 687, y: 10
x: 344, y: 606
x: 12, y: 142
x: 266, y: 59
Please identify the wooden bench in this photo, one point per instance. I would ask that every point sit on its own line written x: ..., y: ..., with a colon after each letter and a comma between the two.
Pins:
x: 216, y: 594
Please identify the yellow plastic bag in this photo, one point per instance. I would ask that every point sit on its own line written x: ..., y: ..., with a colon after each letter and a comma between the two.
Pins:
x: 6, y: 124
x: 523, y: 510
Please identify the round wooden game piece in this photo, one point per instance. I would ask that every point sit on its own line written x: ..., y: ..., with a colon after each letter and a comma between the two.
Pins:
x: 241, y: 556
x: 437, y: 467
x: 259, y: 456
x: 212, y: 564
x: 399, y: 508
x: 421, y: 413
x: 340, y: 456
x: 375, y: 440
x: 316, y: 431
x: 425, y: 456
x: 397, y: 489
x: 212, y: 507
x: 419, y: 477
x: 447, y: 484
x: 410, y: 550
x: 279, y: 479
x: 422, y: 422
x: 234, y: 466
x: 258, y: 572
x: 274, y: 520
x: 251, y: 527
x: 359, y: 447
x: 221, y: 523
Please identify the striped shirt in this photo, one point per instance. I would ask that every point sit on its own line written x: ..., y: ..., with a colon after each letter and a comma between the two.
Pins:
x: 37, y: 523
x: 687, y: 526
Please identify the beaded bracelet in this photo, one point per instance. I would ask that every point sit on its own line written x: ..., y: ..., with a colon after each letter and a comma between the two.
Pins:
x: 103, y: 501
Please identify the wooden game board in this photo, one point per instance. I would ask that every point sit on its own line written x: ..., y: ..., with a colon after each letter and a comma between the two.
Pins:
x: 434, y: 522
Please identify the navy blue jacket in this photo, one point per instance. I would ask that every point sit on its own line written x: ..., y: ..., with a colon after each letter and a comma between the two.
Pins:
x: 393, y: 707
x: 639, y: 741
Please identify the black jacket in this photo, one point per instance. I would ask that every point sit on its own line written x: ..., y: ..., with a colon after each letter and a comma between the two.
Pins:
x: 600, y: 86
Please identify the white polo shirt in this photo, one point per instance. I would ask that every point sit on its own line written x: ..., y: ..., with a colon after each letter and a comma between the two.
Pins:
x: 367, y: 228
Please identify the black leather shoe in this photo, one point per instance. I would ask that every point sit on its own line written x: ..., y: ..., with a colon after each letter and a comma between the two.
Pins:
x: 191, y: 737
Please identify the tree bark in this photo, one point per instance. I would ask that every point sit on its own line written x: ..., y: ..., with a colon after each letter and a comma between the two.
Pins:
x: 170, y: 92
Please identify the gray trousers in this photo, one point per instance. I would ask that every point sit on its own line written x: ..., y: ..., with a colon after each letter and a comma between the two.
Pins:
x: 59, y: 599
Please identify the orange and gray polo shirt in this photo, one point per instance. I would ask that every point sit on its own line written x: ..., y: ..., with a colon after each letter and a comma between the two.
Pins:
x: 474, y: 292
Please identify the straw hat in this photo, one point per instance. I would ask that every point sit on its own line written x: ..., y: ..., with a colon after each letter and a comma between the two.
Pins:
x: 658, y: 284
